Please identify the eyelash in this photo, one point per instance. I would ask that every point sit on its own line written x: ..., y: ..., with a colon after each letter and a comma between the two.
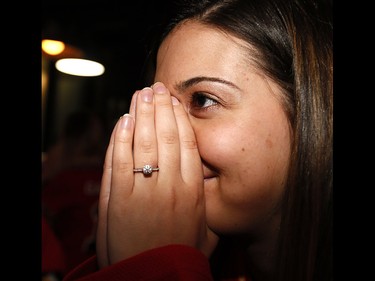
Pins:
x: 196, y: 101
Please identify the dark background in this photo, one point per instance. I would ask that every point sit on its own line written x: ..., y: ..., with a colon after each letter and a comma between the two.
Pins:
x: 119, y: 34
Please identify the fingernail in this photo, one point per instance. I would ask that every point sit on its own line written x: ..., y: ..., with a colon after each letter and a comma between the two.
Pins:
x: 175, y: 101
x: 159, y: 88
x: 126, y: 121
x: 146, y: 94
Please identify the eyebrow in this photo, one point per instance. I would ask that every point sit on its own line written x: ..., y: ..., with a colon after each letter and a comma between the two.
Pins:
x: 183, y: 85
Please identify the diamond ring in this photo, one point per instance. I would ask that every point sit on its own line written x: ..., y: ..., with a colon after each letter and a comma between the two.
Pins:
x: 146, y: 170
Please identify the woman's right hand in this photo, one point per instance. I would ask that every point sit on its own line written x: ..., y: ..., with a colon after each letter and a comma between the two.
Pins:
x: 137, y: 212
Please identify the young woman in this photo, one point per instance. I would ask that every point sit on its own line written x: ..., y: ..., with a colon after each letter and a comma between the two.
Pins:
x: 222, y: 170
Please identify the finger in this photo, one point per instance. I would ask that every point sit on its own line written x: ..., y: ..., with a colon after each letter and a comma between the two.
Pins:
x: 166, y: 131
x: 121, y: 181
x: 122, y: 161
x: 145, y: 143
x: 191, y: 165
x: 133, y: 104
x: 105, y: 188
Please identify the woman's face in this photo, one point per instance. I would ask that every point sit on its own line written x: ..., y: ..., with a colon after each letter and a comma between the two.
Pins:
x: 242, y: 131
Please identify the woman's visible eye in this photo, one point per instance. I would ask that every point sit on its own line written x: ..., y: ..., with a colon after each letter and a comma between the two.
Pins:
x: 201, y: 101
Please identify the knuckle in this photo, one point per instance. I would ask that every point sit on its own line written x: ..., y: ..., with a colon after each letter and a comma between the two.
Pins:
x: 124, y: 166
x: 124, y: 140
x: 145, y: 111
x: 146, y: 146
x: 107, y: 166
x: 189, y: 143
x: 169, y: 138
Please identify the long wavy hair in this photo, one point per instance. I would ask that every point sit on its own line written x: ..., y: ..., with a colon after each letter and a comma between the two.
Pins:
x: 293, y: 43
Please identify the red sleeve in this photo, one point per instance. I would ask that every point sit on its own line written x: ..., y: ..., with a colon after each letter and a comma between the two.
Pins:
x: 172, y: 262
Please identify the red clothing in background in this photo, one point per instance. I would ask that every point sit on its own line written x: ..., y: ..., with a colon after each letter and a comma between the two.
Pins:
x: 53, y: 259
x: 168, y: 263
x: 70, y: 202
x: 173, y: 262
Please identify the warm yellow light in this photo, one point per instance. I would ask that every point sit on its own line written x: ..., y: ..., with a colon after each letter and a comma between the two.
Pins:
x: 53, y: 47
x: 80, y: 67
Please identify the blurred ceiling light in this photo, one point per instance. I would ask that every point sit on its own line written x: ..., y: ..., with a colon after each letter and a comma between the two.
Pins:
x: 79, y: 67
x: 52, y: 47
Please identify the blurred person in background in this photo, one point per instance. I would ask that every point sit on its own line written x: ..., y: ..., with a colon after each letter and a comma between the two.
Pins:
x: 81, y: 144
x: 53, y: 257
x: 71, y: 181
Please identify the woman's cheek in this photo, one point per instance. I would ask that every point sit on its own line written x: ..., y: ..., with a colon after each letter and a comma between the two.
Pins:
x: 215, y: 143
x: 247, y: 189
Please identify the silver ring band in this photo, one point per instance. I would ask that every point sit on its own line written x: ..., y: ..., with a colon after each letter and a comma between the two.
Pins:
x: 146, y: 170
